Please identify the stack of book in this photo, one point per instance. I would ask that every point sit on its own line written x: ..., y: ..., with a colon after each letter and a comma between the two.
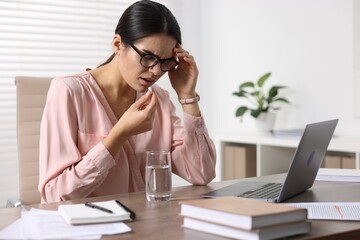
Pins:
x: 288, y: 133
x: 241, y: 218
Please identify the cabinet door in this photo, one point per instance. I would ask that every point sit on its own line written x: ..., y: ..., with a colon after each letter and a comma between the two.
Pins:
x: 239, y: 161
x: 332, y: 161
x: 348, y: 162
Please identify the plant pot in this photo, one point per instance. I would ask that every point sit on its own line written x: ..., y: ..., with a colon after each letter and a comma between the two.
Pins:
x: 265, y: 121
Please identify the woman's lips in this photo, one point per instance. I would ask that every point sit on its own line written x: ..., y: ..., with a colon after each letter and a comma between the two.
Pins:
x: 146, y: 82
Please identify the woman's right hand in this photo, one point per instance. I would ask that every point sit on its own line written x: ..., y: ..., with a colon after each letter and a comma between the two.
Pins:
x: 137, y: 119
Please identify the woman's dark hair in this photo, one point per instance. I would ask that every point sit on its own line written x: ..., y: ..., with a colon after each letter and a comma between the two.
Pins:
x: 144, y: 18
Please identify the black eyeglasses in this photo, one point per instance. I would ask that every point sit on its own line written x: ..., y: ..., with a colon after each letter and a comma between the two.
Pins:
x: 150, y: 60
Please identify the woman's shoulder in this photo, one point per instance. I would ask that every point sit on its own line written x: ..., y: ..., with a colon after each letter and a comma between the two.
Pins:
x: 72, y: 82
x: 70, y: 79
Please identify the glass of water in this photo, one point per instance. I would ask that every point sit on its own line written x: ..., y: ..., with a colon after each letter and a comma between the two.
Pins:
x: 158, y: 176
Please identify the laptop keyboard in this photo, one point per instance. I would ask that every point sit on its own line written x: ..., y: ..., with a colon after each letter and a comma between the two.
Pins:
x: 266, y: 191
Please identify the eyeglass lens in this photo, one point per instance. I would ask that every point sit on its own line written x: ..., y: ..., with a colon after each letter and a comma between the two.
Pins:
x: 149, y: 60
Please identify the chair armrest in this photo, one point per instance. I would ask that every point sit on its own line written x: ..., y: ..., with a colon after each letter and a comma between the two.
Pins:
x: 13, y: 202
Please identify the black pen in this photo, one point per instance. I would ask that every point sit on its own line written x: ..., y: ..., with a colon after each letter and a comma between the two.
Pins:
x: 132, y: 214
x: 91, y: 205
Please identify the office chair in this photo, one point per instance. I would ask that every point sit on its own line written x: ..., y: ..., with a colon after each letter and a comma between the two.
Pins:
x: 31, y: 93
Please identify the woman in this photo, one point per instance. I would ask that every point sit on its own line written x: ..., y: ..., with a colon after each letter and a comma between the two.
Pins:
x: 97, y: 125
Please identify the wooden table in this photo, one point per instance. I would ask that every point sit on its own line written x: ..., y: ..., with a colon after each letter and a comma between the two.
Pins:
x: 162, y: 220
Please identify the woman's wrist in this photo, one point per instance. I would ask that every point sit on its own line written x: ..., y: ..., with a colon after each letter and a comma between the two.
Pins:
x: 114, y: 140
x: 189, y: 103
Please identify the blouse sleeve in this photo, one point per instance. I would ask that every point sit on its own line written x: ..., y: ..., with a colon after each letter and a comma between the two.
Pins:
x: 64, y: 172
x: 193, y: 151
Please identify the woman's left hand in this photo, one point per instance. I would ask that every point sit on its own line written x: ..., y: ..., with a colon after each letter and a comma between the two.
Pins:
x: 183, y: 78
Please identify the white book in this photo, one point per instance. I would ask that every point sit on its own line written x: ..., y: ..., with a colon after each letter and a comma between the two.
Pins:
x: 273, y: 232
x: 107, y: 211
x: 338, y: 175
x: 288, y: 133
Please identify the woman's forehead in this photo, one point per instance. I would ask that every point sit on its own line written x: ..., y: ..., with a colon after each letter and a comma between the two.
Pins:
x: 160, y: 43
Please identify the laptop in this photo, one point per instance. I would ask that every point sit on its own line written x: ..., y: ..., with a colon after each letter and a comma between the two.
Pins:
x: 301, y: 175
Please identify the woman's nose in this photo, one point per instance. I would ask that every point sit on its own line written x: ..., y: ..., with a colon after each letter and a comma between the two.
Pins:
x: 156, y: 70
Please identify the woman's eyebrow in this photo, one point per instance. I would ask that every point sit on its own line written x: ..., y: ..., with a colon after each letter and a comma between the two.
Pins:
x: 150, y: 52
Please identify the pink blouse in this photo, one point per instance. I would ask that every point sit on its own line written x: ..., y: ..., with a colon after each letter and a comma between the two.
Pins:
x: 75, y: 164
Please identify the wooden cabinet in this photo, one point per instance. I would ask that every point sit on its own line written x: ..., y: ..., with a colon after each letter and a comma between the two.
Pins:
x: 239, y: 161
x: 274, y: 154
x: 339, y: 160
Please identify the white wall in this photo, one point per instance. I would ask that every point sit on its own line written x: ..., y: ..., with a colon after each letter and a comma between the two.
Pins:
x: 307, y: 45
x: 356, y: 28
x: 188, y: 14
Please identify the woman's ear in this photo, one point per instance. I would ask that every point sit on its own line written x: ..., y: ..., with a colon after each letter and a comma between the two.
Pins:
x: 116, y: 43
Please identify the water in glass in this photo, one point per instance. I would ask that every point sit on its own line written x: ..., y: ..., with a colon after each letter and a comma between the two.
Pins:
x: 158, y: 182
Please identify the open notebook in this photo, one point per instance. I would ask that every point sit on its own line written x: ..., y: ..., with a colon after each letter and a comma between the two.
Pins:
x: 82, y: 214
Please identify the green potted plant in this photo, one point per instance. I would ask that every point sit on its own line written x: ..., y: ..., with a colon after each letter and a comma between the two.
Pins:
x: 260, y: 101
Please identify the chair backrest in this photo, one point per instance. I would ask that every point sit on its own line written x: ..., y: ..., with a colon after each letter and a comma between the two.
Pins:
x: 31, y: 95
